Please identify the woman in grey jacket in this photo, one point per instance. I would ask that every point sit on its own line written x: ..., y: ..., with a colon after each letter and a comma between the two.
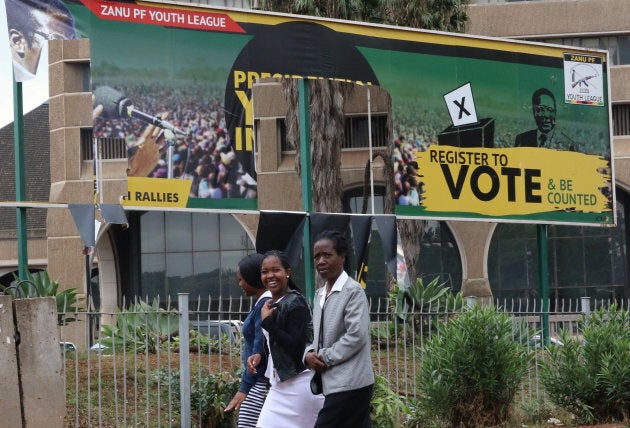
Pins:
x: 343, y: 357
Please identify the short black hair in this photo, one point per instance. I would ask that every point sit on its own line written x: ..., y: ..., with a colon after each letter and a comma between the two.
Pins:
x: 249, y: 267
x: 339, y: 240
x: 542, y: 91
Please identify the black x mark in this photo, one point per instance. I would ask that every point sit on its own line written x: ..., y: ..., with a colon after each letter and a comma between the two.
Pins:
x: 461, y: 107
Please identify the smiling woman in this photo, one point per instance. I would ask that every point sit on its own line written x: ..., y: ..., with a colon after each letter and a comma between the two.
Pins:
x: 287, y: 326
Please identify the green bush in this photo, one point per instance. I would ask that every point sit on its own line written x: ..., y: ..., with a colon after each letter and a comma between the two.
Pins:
x: 386, y: 404
x: 472, y: 370
x: 209, y: 394
x: 590, y: 375
x: 140, y: 328
x: 39, y: 284
x: 537, y: 411
x: 420, y: 303
x: 421, y: 297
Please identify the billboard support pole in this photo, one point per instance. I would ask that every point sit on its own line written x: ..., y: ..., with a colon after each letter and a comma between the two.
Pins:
x: 307, y: 185
x: 543, y: 279
x: 20, y: 181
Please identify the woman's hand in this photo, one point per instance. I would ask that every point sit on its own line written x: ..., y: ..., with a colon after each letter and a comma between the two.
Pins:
x: 267, y: 310
x: 235, y: 403
x: 315, y: 362
x: 252, y: 362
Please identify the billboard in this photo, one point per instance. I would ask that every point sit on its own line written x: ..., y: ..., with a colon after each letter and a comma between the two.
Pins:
x: 485, y: 129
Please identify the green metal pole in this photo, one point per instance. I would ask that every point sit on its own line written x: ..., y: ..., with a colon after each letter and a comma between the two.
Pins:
x: 20, y: 182
x: 307, y: 185
x: 543, y: 279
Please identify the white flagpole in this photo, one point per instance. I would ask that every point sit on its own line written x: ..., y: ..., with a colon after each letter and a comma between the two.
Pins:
x: 369, y: 109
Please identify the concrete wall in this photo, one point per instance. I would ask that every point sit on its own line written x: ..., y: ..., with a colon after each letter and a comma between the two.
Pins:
x: 276, y: 169
x: 526, y: 19
x: 10, y: 408
x: 39, y: 388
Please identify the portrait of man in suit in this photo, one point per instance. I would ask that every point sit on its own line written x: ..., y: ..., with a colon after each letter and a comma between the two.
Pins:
x: 545, y: 135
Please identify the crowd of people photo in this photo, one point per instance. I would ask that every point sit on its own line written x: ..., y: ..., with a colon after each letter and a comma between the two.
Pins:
x: 203, y: 153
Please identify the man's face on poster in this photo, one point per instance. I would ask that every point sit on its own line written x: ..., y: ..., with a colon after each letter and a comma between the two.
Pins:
x: 545, y: 114
x: 27, y: 50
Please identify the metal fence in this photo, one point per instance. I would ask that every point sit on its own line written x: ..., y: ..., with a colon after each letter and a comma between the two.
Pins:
x: 177, y: 367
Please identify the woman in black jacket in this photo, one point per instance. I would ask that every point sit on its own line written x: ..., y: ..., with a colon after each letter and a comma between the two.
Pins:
x: 288, y: 327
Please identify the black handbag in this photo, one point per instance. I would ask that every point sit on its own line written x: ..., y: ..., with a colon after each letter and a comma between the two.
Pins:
x: 316, y: 384
x: 316, y: 380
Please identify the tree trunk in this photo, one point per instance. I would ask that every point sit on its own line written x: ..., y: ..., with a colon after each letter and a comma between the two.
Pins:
x: 410, y: 232
x: 326, y: 107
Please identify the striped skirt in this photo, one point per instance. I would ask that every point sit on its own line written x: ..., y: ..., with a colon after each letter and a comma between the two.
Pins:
x: 250, y: 407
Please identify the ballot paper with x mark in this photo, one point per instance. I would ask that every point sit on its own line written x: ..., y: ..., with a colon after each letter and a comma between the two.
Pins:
x: 461, y: 106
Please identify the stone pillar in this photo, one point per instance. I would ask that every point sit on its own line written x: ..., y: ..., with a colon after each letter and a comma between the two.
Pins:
x: 32, y: 390
x: 473, y: 239
x: 9, y: 386
x: 479, y: 288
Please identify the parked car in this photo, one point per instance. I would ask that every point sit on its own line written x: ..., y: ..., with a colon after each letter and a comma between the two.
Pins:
x: 536, y: 339
x: 217, y: 329
x: 67, y: 347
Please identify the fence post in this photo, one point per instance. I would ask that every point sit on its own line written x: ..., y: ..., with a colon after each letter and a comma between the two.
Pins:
x: 184, y: 360
x: 586, y: 305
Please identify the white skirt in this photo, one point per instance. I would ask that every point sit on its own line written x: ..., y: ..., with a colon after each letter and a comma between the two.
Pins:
x: 290, y: 404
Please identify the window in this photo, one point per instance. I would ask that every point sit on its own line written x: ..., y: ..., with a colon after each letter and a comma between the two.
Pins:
x: 583, y: 261
x: 621, y: 119
x: 281, y: 131
x: 618, y: 46
x: 109, y: 148
x: 195, y: 253
x: 356, y: 131
x: 439, y: 256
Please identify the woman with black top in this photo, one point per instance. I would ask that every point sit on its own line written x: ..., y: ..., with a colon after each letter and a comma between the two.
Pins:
x: 287, y: 326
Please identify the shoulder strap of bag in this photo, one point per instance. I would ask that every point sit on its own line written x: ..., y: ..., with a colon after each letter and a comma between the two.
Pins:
x: 320, y: 341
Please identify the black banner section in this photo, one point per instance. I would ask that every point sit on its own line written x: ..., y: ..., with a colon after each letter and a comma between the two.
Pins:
x: 339, y: 222
x: 281, y: 231
x: 361, y: 230
x: 281, y: 50
x: 387, y: 229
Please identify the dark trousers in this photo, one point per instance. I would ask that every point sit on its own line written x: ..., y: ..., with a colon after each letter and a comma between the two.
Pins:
x: 348, y: 409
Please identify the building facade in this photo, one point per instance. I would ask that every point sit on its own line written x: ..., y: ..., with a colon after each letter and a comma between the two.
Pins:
x: 598, y: 24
